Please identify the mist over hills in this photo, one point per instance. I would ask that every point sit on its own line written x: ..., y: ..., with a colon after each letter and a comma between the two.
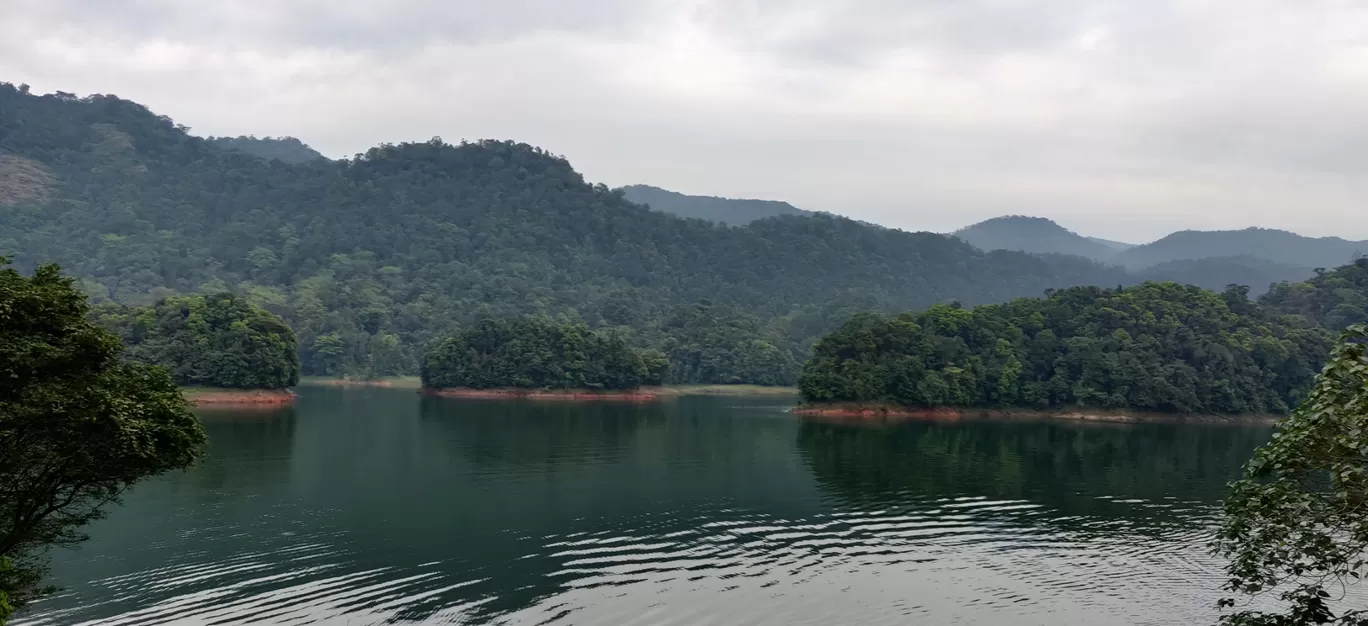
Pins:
x: 1256, y: 257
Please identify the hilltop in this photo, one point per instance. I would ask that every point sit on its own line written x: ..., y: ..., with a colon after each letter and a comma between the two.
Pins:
x: 732, y: 212
x: 286, y: 149
x: 1037, y: 235
x: 1277, y: 246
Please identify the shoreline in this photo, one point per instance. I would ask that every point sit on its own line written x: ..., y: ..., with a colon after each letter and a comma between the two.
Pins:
x: 389, y: 382
x: 875, y: 412
x: 571, y: 395
x: 200, y: 397
x: 413, y: 382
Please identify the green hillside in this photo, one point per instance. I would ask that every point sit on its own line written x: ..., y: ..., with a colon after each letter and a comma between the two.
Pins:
x: 371, y: 259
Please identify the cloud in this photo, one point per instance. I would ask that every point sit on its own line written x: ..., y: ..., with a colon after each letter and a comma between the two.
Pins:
x: 1118, y: 118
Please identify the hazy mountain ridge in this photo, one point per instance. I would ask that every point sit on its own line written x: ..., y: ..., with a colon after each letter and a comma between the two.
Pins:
x: 1278, y: 246
x: 730, y: 211
x: 1256, y: 257
x: 1033, y: 234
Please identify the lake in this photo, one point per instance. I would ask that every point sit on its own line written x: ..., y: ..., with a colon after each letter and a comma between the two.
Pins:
x: 370, y: 506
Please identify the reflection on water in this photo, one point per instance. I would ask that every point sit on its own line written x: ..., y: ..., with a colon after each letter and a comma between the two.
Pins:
x: 380, y: 506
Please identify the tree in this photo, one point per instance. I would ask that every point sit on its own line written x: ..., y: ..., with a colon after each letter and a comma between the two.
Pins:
x: 536, y: 353
x: 216, y: 340
x: 78, y: 425
x: 1296, y: 523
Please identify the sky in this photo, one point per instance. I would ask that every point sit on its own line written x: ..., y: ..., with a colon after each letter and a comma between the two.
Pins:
x: 1124, y: 119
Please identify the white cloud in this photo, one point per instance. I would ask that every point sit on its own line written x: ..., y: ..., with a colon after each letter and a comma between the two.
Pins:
x: 1118, y: 118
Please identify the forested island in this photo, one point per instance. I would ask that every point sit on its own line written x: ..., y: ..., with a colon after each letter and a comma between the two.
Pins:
x: 533, y: 357
x: 1154, y: 348
x: 221, y: 347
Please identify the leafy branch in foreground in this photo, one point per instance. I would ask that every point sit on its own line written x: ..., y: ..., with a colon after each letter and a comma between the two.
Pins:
x: 1296, y: 524
x: 78, y: 426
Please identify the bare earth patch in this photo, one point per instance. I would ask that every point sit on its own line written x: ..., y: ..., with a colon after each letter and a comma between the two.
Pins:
x: 23, y: 180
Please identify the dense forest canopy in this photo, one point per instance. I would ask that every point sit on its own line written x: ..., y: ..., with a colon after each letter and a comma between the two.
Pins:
x: 373, y: 258
x: 1155, y: 347
x: 733, y: 212
x: 536, y: 353
x: 216, y: 340
x: 1333, y: 299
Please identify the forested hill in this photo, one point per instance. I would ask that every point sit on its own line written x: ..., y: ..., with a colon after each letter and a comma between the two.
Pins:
x: 1034, y: 234
x: 372, y: 258
x: 1277, y: 246
x: 1215, y: 273
x: 733, y: 212
x: 287, y: 149
x: 1333, y: 299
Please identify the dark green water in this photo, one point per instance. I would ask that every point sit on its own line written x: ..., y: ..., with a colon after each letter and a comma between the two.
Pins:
x: 380, y: 506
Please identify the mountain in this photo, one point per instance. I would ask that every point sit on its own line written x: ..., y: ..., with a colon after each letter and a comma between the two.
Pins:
x: 287, y: 149
x: 1215, y: 273
x: 1278, y: 246
x: 1115, y: 245
x: 370, y: 259
x: 1034, y: 234
x: 721, y: 210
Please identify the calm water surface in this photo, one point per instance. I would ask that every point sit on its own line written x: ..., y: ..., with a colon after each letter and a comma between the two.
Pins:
x: 380, y: 506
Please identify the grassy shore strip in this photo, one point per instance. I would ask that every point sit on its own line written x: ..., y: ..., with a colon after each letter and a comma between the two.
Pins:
x: 879, y: 412
x: 575, y: 395
x: 726, y: 390
x: 391, y: 382
x: 413, y: 382
x: 214, y: 396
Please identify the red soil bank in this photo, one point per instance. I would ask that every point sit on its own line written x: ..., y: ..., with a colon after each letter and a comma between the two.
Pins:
x: 241, y: 397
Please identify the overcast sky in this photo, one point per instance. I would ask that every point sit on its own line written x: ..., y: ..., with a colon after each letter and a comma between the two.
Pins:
x: 1118, y: 118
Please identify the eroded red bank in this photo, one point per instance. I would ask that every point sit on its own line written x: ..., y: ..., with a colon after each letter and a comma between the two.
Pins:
x: 879, y: 412
x: 576, y: 395
x: 243, y: 397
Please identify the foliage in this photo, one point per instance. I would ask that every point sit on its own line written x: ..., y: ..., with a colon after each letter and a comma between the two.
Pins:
x: 535, y: 353
x: 6, y: 609
x: 1156, y: 347
x: 216, y: 340
x: 371, y: 259
x: 1335, y: 299
x: 78, y: 426
x: 713, y: 344
x: 1295, y: 523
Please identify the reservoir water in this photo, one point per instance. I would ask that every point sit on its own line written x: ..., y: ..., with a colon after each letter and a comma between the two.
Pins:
x: 379, y: 506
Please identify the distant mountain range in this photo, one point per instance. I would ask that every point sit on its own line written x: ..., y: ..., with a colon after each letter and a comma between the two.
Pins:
x: 1257, y: 257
